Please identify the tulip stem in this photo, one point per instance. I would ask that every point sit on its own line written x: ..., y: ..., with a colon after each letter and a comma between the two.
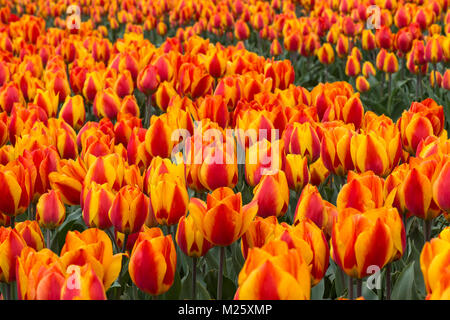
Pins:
x: 48, y: 236
x: 194, y: 277
x: 350, y: 288
x: 220, y: 278
x: 419, y: 85
x: 124, y: 245
x: 358, y: 288
x: 427, y: 230
x: 13, y: 221
x: 435, y: 71
x: 148, y: 111
x: 388, y: 281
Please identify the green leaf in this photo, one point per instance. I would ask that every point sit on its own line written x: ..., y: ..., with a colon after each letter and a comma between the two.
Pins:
x: 405, y: 288
x: 318, y: 290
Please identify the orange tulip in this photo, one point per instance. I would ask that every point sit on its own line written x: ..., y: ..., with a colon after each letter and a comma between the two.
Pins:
x: 11, y: 245
x: 359, y: 242
x: 190, y: 239
x: 222, y: 219
x: 97, y: 202
x: 40, y: 275
x: 272, y: 195
x: 92, y: 246
x: 31, y: 234
x: 274, y: 272
x: 153, y: 262
x: 50, y: 210
x: 129, y: 209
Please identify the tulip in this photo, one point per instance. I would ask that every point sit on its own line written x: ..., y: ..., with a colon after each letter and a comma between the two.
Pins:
x: 260, y: 232
x: 420, y: 179
x: 92, y: 246
x: 31, y: 234
x: 219, y: 167
x: 335, y: 150
x: 148, y: 80
x: 153, y: 262
x: 362, y: 85
x: 433, y: 264
x: 108, y: 169
x: 359, y: 242
x: 352, y: 67
x: 368, y: 69
x: 433, y: 50
x: 311, y: 243
x: 168, y: 199
x: 423, y: 119
x: 40, y: 275
x: 262, y: 158
x: 302, y: 139
x: 446, y: 80
x: 242, y: 32
x: 158, y: 140
x: 50, y: 210
x: 47, y: 101
x: 222, y: 219
x: 82, y: 283
x: 325, y: 54
x: 106, y: 104
x: 311, y: 205
x: 11, y: 245
x: 272, y: 195
x: 274, y: 272
x: 296, y: 170
x: 92, y: 85
x: 190, y: 239
x: 441, y: 189
x: 124, y: 85
x: 73, y: 112
x: 215, y: 109
x: 275, y: 48
x: 97, y: 202
x: 129, y: 210
x: 390, y: 63
x: 369, y: 152
x: 164, y: 94
x: 68, y: 181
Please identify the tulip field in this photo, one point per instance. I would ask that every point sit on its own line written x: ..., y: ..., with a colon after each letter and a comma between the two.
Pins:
x: 224, y: 150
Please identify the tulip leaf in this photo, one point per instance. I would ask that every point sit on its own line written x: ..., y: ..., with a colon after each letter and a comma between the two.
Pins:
x: 228, y: 287
x: 405, y: 288
x: 74, y: 221
x: 202, y: 292
x: 368, y: 293
x: 318, y: 290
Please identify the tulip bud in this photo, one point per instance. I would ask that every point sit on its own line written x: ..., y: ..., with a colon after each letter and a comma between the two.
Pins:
x: 129, y: 210
x: 11, y: 244
x: 50, y: 210
x: 272, y: 195
x: 168, y: 200
x: 296, y: 170
x: 362, y: 85
x: 96, y: 205
x: 73, y: 112
x: 148, y: 80
x: 88, y: 284
x: 190, y: 239
x: 31, y: 234
x: 153, y: 262
x: 325, y: 54
x: 222, y: 219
